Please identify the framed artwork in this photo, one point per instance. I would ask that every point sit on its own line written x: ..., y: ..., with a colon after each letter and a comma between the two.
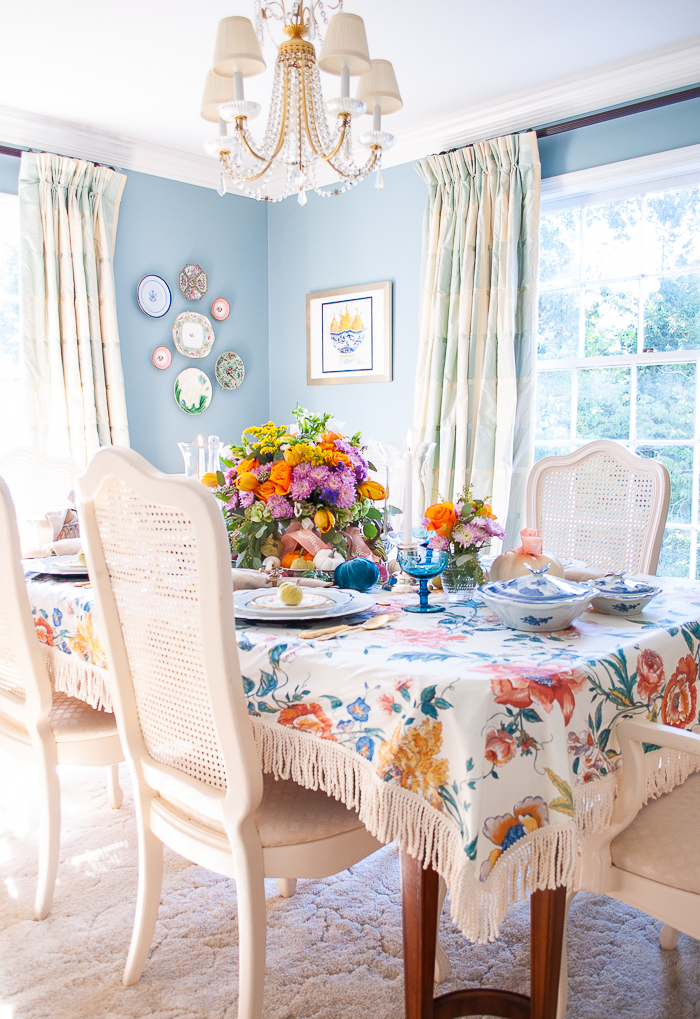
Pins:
x: 349, y: 335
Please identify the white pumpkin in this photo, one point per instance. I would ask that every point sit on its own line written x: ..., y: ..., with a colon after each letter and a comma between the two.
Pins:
x: 510, y: 565
x: 327, y: 560
x: 271, y: 563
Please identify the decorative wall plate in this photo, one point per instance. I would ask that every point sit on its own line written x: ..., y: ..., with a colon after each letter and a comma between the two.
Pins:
x: 162, y: 358
x: 193, y: 282
x: 153, y: 295
x: 192, y: 391
x: 193, y: 334
x: 229, y: 370
x: 220, y: 309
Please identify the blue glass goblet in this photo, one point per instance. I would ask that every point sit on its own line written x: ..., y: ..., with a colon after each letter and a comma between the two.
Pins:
x: 423, y: 563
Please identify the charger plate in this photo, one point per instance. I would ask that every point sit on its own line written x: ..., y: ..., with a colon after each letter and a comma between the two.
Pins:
x: 59, y: 565
x: 341, y: 603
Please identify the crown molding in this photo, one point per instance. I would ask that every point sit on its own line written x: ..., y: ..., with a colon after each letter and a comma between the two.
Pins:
x: 31, y: 131
x: 646, y: 74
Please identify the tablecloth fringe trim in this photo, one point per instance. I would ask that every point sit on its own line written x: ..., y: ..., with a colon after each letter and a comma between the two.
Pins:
x: 594, y: 802
x: 393, y: 814
x: 77, y: 679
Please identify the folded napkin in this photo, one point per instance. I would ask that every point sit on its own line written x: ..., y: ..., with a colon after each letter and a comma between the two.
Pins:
x: 247, y: 580
x: 580, y: 576
x: 38, y: 537
x: 66, y: 546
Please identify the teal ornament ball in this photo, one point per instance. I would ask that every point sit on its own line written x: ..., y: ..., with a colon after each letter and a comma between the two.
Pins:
x: 356, y: 574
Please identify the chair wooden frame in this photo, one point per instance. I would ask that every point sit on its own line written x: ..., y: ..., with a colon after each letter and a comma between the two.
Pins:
x: 237, y: 852
x: 538, y: 507
x: 25, y: 724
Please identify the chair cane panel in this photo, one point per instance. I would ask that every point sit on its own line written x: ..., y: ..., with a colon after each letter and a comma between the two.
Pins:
x: 151, y: 556
x: 10, y: 675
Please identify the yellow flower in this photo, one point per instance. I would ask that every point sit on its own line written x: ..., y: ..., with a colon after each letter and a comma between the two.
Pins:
x: 86, y: 644
x: 410, y: 758
x: 209, y: 480
x: 247, y: 482
x: 293, y: 455
x: 324, y: 520
x: 371, y: 490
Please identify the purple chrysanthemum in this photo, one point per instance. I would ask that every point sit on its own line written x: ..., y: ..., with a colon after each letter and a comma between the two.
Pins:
x: 230, y: 475
x: 246, y: 498
x: 437, y: 541
x: 233, y: 501
x: 300, y: 488
x: 279, y: 506
x: 319, y: 474
x: 346, y: 497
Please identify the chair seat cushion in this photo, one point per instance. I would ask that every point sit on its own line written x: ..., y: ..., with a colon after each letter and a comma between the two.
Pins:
x: 663, y: 841
x: 72, y: 719
x: 289, y: 814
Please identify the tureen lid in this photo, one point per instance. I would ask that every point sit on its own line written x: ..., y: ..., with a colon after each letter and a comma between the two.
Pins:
x: 536, y: 587
x: 618, y: 585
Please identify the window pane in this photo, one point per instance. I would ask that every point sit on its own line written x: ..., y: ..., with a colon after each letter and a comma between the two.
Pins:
x: 611, y: 319
x: 603, y: 403
x: 542, y: 451
x: 9, y: 249
x: 665, y: 401
x: 560, y: 241
x: 678, y: 461
x: 553, y: 405
x: 672, y: 230
x: 672, y: 312
x: 612, y: 244
x: 674, y: 558
x: 558, y: 324
x: 9, y: 337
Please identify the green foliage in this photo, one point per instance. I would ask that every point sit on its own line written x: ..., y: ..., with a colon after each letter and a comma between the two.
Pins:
x: 672, y: 313
x: 611, y: 319
x: 603, y: 403
x: 553, y: 405
x: 311, y: 426
x: 557, y: 328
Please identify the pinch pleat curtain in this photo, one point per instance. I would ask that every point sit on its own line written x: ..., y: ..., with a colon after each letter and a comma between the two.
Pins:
x: 474, y: 384
x: 70, y: 357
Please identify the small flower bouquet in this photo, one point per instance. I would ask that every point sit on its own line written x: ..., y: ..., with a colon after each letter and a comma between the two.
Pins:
x: 462, y: 527
x: 306, y: 473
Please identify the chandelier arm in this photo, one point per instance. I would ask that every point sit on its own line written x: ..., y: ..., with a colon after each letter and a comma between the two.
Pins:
x: 363, y: 171
x: 256, y: 176
x: 305, y: 107
x: 343, y: 134
x: 246, y: 143
x: 280, y: 140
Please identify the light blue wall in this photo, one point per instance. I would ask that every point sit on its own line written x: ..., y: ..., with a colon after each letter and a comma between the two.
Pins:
x: 162, y: 226
x: 362, y: 236
x: 670, y: 127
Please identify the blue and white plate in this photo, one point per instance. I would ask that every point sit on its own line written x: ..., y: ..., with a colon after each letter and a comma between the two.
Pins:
x: 153, y: 295
x: 261, y: 605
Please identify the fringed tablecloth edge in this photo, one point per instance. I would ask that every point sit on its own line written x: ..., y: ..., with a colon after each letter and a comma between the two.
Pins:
x: 77, y: 678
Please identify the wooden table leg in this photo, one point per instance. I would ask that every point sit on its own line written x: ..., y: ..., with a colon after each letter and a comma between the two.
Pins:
x: 419, y: 894
x: 419, y: 899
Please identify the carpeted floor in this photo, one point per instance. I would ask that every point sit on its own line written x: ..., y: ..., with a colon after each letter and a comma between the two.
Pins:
x: 334, y: 949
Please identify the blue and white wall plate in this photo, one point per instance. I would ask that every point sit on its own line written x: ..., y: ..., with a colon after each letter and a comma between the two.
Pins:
x: 153, y: 295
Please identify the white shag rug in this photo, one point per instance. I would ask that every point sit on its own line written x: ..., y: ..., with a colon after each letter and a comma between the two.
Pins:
x: 334, y: 949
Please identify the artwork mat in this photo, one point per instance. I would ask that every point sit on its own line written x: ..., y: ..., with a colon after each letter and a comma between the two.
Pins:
x: 382, y: 334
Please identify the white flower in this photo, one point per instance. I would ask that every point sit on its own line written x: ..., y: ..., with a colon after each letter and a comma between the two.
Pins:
x: 307, y: 522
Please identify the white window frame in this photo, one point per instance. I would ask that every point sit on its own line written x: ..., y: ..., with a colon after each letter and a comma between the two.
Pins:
x: 676, y: 168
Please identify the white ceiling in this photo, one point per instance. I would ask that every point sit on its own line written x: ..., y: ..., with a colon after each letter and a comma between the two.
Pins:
x: 136, y: 69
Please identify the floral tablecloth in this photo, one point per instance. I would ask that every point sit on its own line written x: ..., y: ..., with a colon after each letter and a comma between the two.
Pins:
x: 486, y: 751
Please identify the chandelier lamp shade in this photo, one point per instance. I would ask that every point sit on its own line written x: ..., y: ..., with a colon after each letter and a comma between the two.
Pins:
x: 300, y: 149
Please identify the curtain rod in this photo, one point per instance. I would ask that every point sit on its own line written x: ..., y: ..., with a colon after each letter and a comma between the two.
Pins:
x: 4, y: 151
x: 620, y: 111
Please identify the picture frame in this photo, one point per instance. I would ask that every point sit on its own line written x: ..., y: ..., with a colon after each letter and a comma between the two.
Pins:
x: 349, y: 335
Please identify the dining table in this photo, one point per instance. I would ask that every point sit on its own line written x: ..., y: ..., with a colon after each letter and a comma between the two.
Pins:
x: 487, y: 754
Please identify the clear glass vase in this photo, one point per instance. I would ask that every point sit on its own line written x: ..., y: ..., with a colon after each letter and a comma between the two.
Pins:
x: 460, y: 578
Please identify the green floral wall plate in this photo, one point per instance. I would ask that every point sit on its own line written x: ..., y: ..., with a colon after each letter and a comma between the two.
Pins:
x: 229, y: 370
x: 192, y: 391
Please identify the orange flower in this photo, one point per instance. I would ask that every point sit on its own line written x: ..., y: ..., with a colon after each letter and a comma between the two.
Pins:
x: 341, y: 458
x: 486, y: 511
x: 247, y: 482
x: 650, y: 674
x: 505, y: 829
x: 247, y: 465
x: 520, y: 685
x: 324, y: 520
x: 500, y: 747
x: 281, y: 476
x: 371, y: 490
x: 681, y: 695
x: 328, y: 438
x: 307, y: 718
x: 265, y: 490
x: 292, y: 456
x: 441, y: 517
x: 410, y: 758
x: 44, y: 631
x: 386, y: 703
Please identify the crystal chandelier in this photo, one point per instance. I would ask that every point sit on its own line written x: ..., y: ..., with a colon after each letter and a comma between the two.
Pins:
x: 299, y: 149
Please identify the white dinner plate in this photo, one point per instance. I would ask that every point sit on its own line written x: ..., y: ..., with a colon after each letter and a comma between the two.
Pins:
x: 343, y: 603
x: 60, y: 565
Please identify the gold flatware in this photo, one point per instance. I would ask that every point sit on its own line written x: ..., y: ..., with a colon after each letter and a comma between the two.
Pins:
x: 83, y: 583
x: 372, y: 624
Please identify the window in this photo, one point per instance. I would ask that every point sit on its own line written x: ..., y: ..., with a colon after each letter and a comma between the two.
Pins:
x: 10, y: 404
x: 619, y: 340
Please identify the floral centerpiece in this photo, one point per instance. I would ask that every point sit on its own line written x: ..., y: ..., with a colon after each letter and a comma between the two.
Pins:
x: 299, y: 479
x: 462, y: 528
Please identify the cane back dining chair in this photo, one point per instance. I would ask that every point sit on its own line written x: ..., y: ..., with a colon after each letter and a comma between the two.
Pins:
x: 649, y: 857
x: 159, y: 560
x: 601, y: 504
x: 37, y: 724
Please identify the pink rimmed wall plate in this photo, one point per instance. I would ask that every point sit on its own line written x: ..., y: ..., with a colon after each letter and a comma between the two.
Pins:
x: 162, y: 358
x: 220, y: 309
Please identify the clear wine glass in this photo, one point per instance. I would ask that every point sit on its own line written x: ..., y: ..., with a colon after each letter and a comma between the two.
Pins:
x: 423, y: 563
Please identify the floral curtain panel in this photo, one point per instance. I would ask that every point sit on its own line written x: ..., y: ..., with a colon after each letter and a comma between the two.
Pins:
x: 474, y: 379
x: 69, y: 336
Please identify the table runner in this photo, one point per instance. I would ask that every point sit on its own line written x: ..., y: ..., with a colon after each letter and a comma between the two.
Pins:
x: 487, y: 752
